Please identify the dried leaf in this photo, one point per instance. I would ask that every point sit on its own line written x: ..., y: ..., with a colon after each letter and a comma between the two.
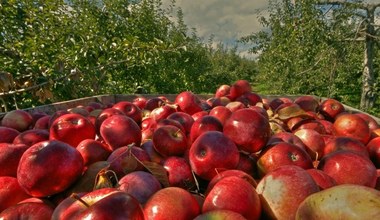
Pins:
x: 129, y: 163
x: 290, y: 112
x: 6, y: 81
x: 158, y: 171
x: 106, y: 179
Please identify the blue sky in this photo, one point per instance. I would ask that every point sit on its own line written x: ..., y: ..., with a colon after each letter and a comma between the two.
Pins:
x: 226, y: 20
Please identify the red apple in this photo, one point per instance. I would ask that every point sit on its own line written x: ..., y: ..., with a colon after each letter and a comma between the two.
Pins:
x: 18, y: 119
x: 236, y: 194
x: 372, y: 123
x: 307, y: 103
x: 28, y: 210
x: 221, y: 112
x: 288, y: 137
x: 139, y: 184
x: 351, y: 125
x: 248, y: 164
x: 282, y: 190
x: 126, y: 159
x: 181, y: 203
x: 79, y: 110
x: 120, y: 130
x: 162, y: 112
x: 248, y: 129
x: 42, y: 123
x: 276, y: 102
x: 30, y: 137
x: 7, y: 135
x: 210, y: 151
x: 349, y: 167
x: 323, y: 180
x: 199, y: 115
x: 206, y: 123
x: 330, y: 108
x: 345, y: 143
x: 173, y: 122
x: 222, y: 90
x: 93, y: 151
x: 55, y: 115
x: 10, y: 155
x: 153, y: 103
x: 188, y: 102
x: 232, y: 172
x: 129, y: 109
x: 140, y: 102
x: 49, y: 167
x: 233, y: 106
x: 314, y: 142
x: 282, y: 154
x: 10, y: 192
x: 249, y: 99
x: 169, y: 140
x: 72, y: 129
x: 179, y: 172
x: 103, y: 115
x: 238, y: 88
x: 184, y: 118
x: 373, y: 148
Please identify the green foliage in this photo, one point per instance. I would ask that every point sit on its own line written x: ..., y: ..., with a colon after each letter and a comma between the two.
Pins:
x: 61, y: 50
x: 305, y: 49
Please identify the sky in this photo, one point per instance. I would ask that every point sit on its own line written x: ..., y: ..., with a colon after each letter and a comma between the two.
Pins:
x: 226, y: 20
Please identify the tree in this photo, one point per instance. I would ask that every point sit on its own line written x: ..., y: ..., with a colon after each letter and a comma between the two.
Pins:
x: 305, y: 50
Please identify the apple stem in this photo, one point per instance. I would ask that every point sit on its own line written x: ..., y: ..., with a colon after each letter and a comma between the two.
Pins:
x: 75, y: 196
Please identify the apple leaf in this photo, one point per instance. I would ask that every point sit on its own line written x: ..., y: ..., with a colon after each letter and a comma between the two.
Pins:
x: 290, y: 112
x: 158, y: 171
x: 129, y: 163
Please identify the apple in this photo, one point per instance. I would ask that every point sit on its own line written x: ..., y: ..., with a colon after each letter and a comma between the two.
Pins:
x: 126, y: 159
x: 248, y: 129
x: 233, y: 106
x: 140, y: 102
x: 10, y: 155
x: 55, y: 115
x: 282, y: 190
x: 373, y: 148
x: 345, y: 143
x: 346, y: 201
x: 221, y: 112
x: 10, y: 192
x: 179, y: 172
x: 120, y: 130
x: 32, y: 136
x: 181, y: 203
x: 93, y: 151
x: 231, y: 172
x: 249, y: 99
x: 72, y: 128
x: 129, y: 109
x: 148, y: 123
x: 79, y: 110
x: 42, y: 123
x: 103, y: 115
x: 20, y: 120
x: 206, y: 123
x: 154, y: 156
x: 212, y: 150
x: 323, y: 180
x: 307, y: 103
x: 236, y: 194
x: 280, y: 154
x: 7, y: 135
x: 173, y: 122
x: 239, y: 88
x: 139, y: 184
x: 153, y: 103
x: 288, y: 137
x: 372, y: 123
x: 222, y: 90
x: 162, y: 112
x: 169, y: 140
x: 28, y: 210
x: 276, y: 102
x: 330, y: 108
x: 102, y: 204
x: 199, y: 115
x: 49, y: 167
x: 349, y: 167
x: 185, y: 119
x: 220, y: 214
x: 328, y: 126
x: 188, y: 102
x: 351, y: 125
x: 314, y: 142
x: 248, y: 164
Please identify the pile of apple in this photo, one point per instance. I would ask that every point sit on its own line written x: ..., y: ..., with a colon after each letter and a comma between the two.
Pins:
x: 236, y: 155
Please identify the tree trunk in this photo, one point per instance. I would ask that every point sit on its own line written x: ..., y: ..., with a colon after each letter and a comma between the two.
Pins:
x: 368, y: 96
